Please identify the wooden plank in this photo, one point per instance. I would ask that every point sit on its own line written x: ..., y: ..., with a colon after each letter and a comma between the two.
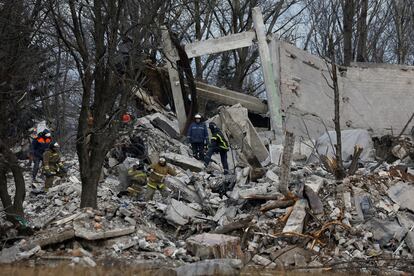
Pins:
x: 221, y: 44
x: 273, y: 97
x: 172, y: 57
x: 229, y: 97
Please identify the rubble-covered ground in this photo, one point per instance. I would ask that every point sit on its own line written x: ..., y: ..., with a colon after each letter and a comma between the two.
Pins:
x: 216, y: 224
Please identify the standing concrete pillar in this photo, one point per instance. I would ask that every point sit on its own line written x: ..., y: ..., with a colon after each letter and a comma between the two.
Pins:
x: 272, y: 93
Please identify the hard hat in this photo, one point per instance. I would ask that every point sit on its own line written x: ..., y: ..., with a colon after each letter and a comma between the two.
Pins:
x: 212, y: 125
x: 197, y: 116
x: 162, y: 160
x: 48, y: 135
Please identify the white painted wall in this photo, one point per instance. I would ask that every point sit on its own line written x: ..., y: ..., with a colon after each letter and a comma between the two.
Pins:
x: 375, y: 97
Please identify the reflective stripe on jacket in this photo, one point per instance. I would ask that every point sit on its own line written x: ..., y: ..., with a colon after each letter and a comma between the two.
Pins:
x: 221, y: 142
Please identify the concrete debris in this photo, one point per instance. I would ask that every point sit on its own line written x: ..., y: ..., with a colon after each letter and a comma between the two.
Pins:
x: 296, y: 218
x: 214, y: 246
x: 402, y: 193
x: 179, y: 213
x: 212, y: 223
x: 350, y: 138
x: 184, y: 162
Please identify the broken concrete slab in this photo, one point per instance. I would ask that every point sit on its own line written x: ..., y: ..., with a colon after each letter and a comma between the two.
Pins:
x: 182, y: 190
x: 315, y: 182
x: 52, y: 237
x: 214, y: 246
x: 185, y: 162
x: 258, y: 190
x: 384, y: 230
x: 297, y: 217
x: 314, y: 200
x: 363, y: 206
x: 239, y: 115
x: 165, y: 124
x: 91, y: 234
x: 180, y: 214
x: 402, y: 193
x: 165, y: 127
x: 227, y: 267
x: 409, y: 240
x: 275, y: 153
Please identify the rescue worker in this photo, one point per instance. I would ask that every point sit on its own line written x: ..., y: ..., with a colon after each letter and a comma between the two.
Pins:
x: 137, y: 178
x: 198, y: 137
x: 33, y: 136
x: 52, y: 166
x: 158, y: 172
x: 218, y: 144
x: 39, y: 146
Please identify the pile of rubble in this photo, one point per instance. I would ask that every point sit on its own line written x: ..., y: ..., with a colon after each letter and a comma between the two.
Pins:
x: 215, y: 223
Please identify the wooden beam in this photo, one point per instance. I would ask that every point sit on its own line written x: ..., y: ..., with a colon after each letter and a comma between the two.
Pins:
x: 230, y: 97
x: 221, y: 44
x: 172, y: 57
x: 273, y: 95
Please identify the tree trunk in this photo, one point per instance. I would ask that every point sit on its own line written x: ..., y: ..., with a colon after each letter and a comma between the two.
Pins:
x: 198, y: 35
x: 363, y: 32
x: 4, y: 194
x: 348, y: 17
x: 12, y: 163
x: 340, y: 172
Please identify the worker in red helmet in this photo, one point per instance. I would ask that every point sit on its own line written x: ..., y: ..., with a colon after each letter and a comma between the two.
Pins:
x: 126, y: 118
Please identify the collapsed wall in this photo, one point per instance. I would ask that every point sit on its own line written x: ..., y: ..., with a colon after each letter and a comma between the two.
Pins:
x: 373, y: 97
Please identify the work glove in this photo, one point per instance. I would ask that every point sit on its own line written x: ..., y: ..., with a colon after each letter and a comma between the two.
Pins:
x: 48, y: 174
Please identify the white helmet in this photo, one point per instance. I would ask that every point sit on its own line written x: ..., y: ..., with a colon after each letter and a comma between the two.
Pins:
x: 197, y: 116
x: 162, y: 160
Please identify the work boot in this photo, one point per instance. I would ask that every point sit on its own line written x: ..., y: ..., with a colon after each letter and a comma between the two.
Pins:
x: 149, y: 195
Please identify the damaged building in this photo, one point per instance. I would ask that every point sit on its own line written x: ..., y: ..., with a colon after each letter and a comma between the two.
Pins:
x: 280, y: 208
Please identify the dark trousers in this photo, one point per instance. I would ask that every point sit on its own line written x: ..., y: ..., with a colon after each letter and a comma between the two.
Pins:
x: 198, y: 150
x: 36, y: 165
x: 223, y: 157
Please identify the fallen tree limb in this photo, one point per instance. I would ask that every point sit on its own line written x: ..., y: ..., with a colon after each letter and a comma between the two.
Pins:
x: 276, y: 204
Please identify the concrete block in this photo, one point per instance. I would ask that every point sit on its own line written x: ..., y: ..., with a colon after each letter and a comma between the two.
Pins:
x: 184, y: 162
x: 297, y: 217
x: 214, y: 246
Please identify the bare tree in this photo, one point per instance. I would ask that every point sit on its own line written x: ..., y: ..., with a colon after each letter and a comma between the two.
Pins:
x: 108, y: 42
x: 19, y: 69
